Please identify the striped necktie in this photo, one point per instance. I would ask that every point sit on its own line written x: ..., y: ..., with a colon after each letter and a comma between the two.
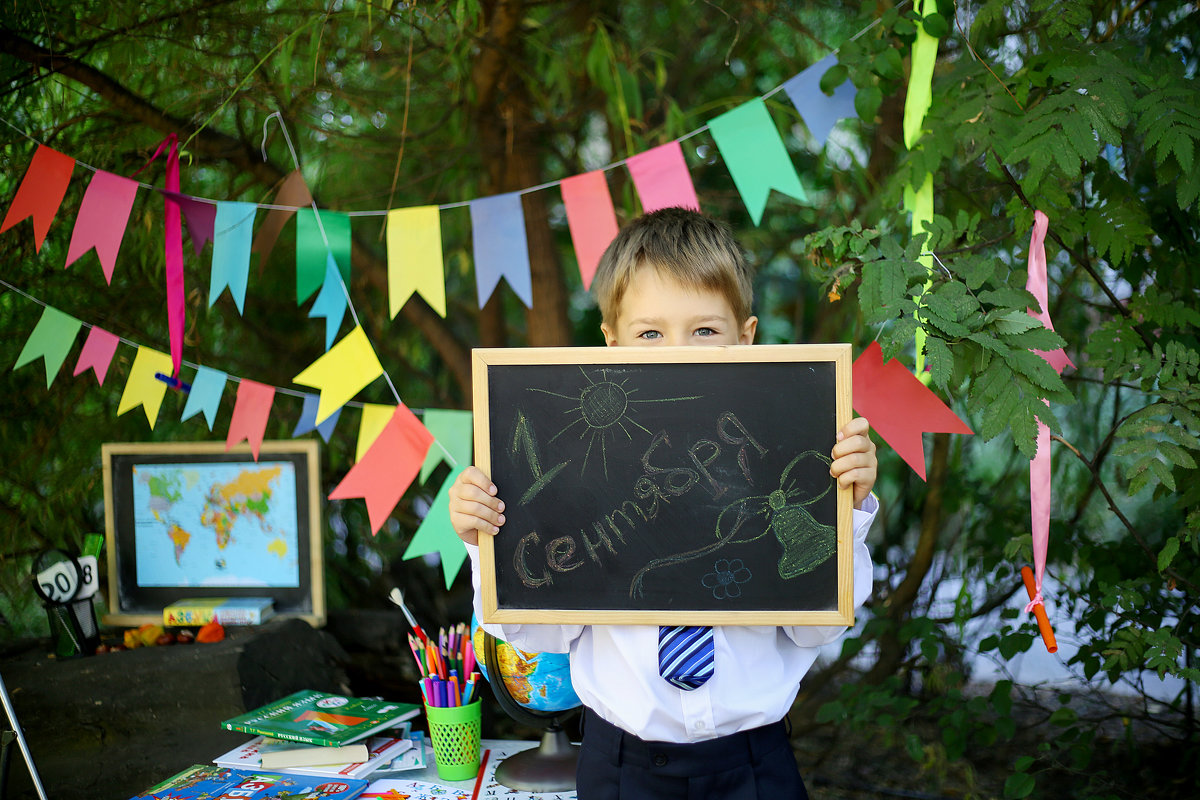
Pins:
x: 685, y: 655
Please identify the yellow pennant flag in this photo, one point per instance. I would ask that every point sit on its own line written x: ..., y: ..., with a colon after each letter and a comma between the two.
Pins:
x: 375, y: 417
x: 142, y: 388
x: 414, y: 252
x: 344, y: 370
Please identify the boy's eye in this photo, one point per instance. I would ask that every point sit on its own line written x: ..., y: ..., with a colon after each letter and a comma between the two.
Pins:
x: 705, y: 332
x: 649, y: 335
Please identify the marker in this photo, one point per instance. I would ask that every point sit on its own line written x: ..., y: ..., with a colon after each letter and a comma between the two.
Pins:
x: 174, y: 383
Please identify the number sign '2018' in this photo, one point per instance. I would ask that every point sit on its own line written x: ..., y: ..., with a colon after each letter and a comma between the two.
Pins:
x: 665, y: 485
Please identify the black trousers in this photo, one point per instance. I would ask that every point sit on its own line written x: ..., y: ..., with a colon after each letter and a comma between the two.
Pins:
x: 752, y: 765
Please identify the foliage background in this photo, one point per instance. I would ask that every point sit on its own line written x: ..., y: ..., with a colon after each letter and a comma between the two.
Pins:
x: 1085, y: 110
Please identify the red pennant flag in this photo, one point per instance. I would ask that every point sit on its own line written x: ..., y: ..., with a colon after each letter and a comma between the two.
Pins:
x: 899, y: 406
x: 97, y: 353
x: 102, y: 218
x: 41, y: 192
x: 250, y: 414
x: 388, y: 467
x: 662, y: 179
x: 591, y: 217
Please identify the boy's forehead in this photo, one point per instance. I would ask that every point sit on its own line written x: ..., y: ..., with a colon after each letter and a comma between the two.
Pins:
x: 654, y: 291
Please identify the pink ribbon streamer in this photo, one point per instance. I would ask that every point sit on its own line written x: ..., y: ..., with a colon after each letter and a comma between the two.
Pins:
x: 1040, y: 489
x: 173, y: 249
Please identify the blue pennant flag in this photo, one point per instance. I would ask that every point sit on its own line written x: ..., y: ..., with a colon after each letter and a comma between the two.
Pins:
x: 500, y: 247
x: 330, y: 302
x: 308, y: 419
x: 205, y: 395
x: 820, y: 112
x: 233, y: 233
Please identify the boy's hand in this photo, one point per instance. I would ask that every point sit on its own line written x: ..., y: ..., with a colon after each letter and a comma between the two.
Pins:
x: 474, y: 506
x: 854, y: 462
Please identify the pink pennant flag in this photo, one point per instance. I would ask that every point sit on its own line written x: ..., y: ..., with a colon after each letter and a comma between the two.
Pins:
x: 102, y: 218
x: 662, y: 179
x: 591, y: 217
x: 900, y: 407
x: 250, y: 414
x: 200, y: 216
x: 41, y: 193
x: 388, y: 467
x: 97, y: 353
x: 1040, y: 481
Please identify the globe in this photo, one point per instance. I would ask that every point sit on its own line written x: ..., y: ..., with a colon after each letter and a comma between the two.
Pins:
x: 538, y: 682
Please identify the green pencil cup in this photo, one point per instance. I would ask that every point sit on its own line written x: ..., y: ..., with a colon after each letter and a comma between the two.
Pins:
x: 455, y: 735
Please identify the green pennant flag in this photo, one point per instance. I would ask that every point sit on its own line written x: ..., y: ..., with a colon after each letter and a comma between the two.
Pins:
x: 755, y: 156
x: 452, y: 429
x: 312, y: 254
x: 51, y: 339
x: 435, y: 535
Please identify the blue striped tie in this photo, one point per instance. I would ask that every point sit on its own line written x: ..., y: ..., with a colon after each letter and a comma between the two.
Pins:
x: 685, y: 655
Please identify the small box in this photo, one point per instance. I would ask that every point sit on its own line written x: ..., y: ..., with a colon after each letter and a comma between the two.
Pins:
x: 224, y: 610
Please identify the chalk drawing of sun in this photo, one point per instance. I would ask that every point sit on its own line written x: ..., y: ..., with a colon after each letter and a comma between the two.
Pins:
x: 601, y: 409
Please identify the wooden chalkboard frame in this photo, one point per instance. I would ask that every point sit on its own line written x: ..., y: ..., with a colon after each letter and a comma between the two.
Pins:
x: 485, y: 363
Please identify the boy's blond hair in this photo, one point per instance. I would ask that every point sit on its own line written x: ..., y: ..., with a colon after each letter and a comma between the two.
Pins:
x: 691, y: 248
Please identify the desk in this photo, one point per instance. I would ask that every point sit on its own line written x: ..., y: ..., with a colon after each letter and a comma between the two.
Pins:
x: 424, y: 784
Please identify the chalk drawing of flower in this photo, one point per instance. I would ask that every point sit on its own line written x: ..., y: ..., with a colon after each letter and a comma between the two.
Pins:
x: 725, y: 578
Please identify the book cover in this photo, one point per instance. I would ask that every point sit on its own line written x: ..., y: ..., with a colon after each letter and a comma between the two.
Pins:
x: 381, y: 750
x: 307, y: 755
x: 203, y: 782
x: 225, y: 610
x: 319, y: 718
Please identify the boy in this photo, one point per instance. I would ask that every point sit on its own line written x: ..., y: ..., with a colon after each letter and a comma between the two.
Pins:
x: 676, y: 277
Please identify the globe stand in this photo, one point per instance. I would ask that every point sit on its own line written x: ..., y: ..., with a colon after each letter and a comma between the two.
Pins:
x: 549, y: 767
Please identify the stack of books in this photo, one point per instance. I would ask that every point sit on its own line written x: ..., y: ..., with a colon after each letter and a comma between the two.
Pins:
x: 309, y: 741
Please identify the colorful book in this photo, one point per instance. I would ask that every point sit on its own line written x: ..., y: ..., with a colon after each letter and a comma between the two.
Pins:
x: 379, y: 752
x: 203, y: 782
x: 224, y: 610
x: 319, y: 718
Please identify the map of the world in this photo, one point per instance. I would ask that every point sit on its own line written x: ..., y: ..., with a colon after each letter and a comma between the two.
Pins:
x: 216, y: 524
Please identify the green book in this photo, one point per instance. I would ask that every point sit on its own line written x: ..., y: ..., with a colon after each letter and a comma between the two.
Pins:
x: 318, y: 718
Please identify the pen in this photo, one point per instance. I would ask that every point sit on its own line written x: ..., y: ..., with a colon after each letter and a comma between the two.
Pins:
x: 174, y: 383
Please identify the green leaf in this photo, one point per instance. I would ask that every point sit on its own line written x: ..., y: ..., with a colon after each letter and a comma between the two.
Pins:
x: 1015, y: 322
x: 939, y: 360
x: 1167, y: 554
x: 935, y: 25
x: 867, y: 101
x: 834, y: 77
x: 1019, y: 785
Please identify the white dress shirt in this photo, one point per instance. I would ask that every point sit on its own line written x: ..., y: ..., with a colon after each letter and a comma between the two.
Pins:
x: 614, y: 668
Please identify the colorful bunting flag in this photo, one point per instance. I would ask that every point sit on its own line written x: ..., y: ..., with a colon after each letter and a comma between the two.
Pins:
x: 414, y: 255
x: 101, y: 221
x: 142, y: 388
x: 347, y: 368
x: 436, y: 535
x: 200, y: 216
x: 375, y: 417
x: 251, y: 411
x: 1040, y: 480
x: 308, y: 419
x: 292, y: 194
x: 233, y: 230
x: 453, y: 431
x: 51, y: 339
x: 41, y: 192
x: 819, y: 111
x: 500, y: 247
x: 313, y: 249
x: 387, y: 469
x: 205, y: 395
x: 900, y: 407
x: 661, y: 178
x: 592, y: 219
x: 331, y: 301
x: 755, y: 155
x: 97, y: 353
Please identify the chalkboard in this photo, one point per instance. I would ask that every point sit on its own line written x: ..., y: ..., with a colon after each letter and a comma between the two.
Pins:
x: 655, y: 485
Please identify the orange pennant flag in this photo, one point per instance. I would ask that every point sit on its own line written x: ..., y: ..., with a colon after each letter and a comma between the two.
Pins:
x: 293, y: 193
x: 388, y: 467
x: 41, y: 193
x: 250, y: 414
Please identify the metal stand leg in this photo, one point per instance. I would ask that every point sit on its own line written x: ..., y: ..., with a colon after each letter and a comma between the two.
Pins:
x: 16, y: 730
